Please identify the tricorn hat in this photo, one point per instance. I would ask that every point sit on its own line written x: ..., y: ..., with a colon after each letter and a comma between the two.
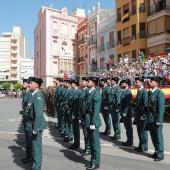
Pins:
x: 127, y: 81
x: 36, y: 80
x: 94, y: 79
x: 85, y: 78
x: 116, y: 79
x: 139, y: 78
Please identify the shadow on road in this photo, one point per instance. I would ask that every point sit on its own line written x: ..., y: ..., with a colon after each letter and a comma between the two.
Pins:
x: 18, y: 150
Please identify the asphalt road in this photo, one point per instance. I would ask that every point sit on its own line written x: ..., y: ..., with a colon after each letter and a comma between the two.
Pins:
x: 55, y: 152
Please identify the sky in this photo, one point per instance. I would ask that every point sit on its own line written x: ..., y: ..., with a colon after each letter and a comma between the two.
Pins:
x: 24, y: 13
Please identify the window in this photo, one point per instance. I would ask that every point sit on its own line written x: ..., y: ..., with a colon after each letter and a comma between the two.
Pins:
x: 133, y: 7
x: 126, y: 32
x: 73, y: 30
x: 142, y: 30
x: 119, y: 36
x: 119, y: 56
x: 134, y: 31
x: 151, y: 29
x: 55, y: 28
x: 133, y: 55
x: 143, y: 50
x: 64, y: 28
x: 119, y: 15
x: 167, y: 24
x: 111, y: 36
x: 142, y: 6
x: 160, y: 24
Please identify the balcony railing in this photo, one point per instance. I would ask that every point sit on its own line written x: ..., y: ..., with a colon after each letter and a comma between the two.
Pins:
x: 119, y: 42
x: 142, y: 34
x: 101, y: 48
x: 82, y: 41
x: 110, y: 44
x: 153, y: 9
x: 92, y: 42
x: 81, y: 59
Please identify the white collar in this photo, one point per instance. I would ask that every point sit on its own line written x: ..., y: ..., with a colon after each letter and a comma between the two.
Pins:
x: 69, y: 88
x: 126, y: 88
x: 154, y: 89
x: 114, y: 86
x: 105, y: 85
x: 91, y: 90
x: 84, y: 88
x: 76, y: 88
x: 141, y: 88
x: 35, y: 92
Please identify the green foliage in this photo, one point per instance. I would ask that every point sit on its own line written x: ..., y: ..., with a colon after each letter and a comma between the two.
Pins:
x: 17, y: 86
x: 6, y: 85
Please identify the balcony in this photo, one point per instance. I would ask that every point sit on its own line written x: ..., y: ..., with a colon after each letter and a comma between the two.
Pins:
x: 14, y: 51
x: 14, y: 72
x: 73, y: 37
x: 14, y: 44
x: 158, y: 39
x: 142, y: 34
x: 55, y: 33
x: 14, y: 58
x: 110, y: 44
x: 56, y: 52
x: 81, y: 60
x: 14, y: 37
x: 101, y: 48
x: 153, y: 9
x: 82, y: 41
x: 119, y: 42
x: 125, y: 17
x: 92, y: 42
x: 14, y: 65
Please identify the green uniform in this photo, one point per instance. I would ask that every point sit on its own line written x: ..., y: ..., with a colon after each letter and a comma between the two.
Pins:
x: 36, y: 124
x: 57, y: 104
x: 155, y: 121
x: 75, y: 118
x: 26, y: 98
x: 141, y: 107
x: 68, y: 103
x: 104, y: 109
x: 114, y: 107
x: 92, y: 118
x: 82, y: 106
x: 126, y: 113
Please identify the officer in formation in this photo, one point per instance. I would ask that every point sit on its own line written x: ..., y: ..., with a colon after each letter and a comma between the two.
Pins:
x: 26, y: 97
x: 34, y: 121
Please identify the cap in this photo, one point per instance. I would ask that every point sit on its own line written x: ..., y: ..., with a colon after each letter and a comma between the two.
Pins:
x: 36, y: 80
x: 127, y: 81
x: 103, y: 79
x: 116, y: 79
x: 94, y: 79
x: 139, y: 78
x: 85, y: 78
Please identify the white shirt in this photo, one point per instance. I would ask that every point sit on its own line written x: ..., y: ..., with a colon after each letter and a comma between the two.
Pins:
x: 76, y: 88
x: 114, y: 85
x: 154, y: 89
x: 141, y: 88
x: 91, y: 90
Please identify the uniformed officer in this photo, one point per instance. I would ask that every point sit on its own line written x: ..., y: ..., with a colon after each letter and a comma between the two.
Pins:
x: 114, y: 107
x: 26, y: 97
x: 68, y: 108
x: 57, y: 96
x: 155, y: 118
x: 126, y: 111
x: 82, y: 106
x: 104, y: 107
x: 93, y: 122
x: 141, y: 108
x: 35, y: 121
x: 75, y: 115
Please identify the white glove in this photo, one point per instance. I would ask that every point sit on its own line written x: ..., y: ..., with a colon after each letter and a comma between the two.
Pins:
x: 73, y: 117
x: 158, y: 123
x: 79, y: 121
x: 34, y: 133
x: 105, y: 108
x: 124, y: 115
x: 143, y: 117
x: 92, y: 127
x: 117, y: 110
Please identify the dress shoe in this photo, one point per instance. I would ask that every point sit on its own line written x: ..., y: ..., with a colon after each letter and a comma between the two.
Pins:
x: 28, y: 160
x: 73, y: 147
x: 153, y: 156
x: 63, y: 134
x: 114, y: 138
x: 85, y: 153
x: 142, y: 150
x: 67, y: 139
x: 105, y: 133
x: 158, y: 159
x: 127, y: 143
x: 92, y: 167
x: 23, y: 159
x: 136, y: 148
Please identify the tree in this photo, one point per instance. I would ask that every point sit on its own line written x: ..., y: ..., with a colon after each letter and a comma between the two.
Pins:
x: 17, y: 86
x: 6, y: 85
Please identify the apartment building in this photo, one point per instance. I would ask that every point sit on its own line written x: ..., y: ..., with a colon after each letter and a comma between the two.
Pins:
x: 55, y: 45
x: 158, y: 26
x: 82, y: 46
x: 106, y: 40
x: 131, y: 27
x: 26, y: 68
x: 13, y: 46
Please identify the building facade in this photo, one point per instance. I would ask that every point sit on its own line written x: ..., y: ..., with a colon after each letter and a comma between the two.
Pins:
x: 26, y: 68
x: 106, y: 40
x: 13, y: 47
x: 82, y: 46
x: 131, y: 27
x: 55, y: 45
x: 158, y: 26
